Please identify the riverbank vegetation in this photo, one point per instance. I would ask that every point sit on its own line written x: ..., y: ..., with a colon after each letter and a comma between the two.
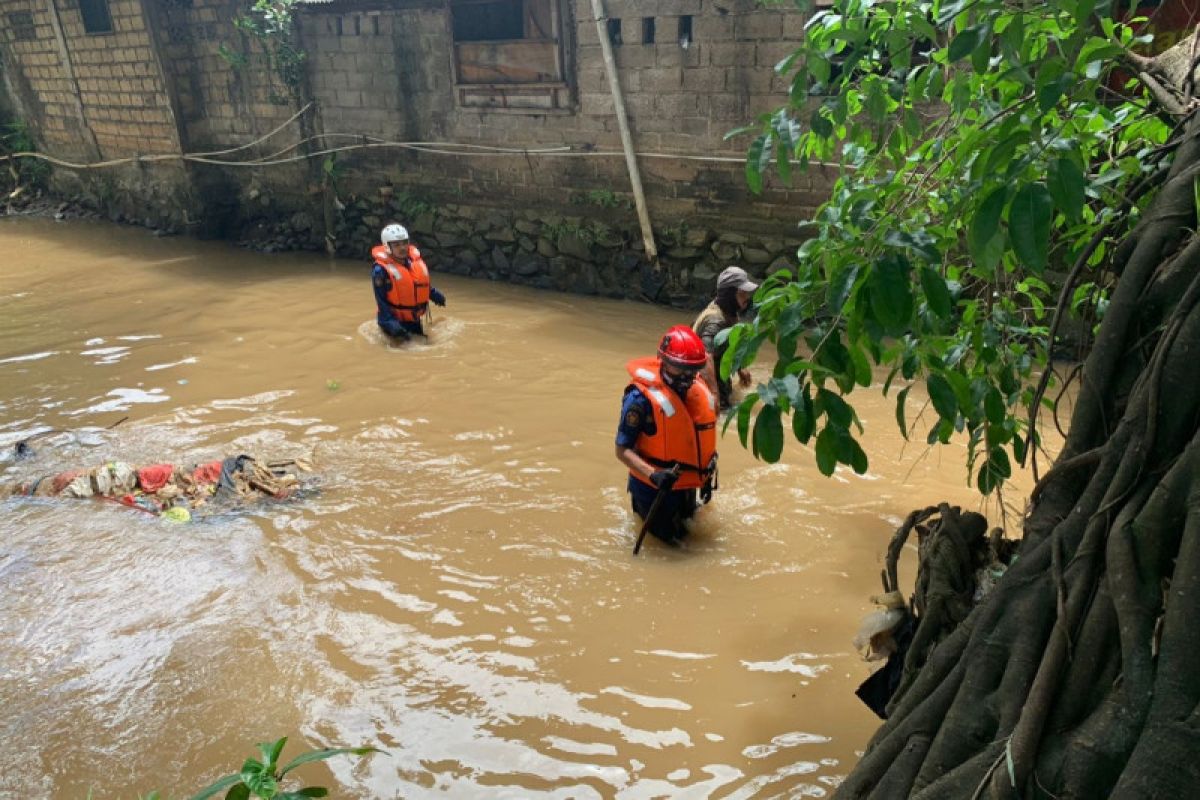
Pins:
x: 992, y: 150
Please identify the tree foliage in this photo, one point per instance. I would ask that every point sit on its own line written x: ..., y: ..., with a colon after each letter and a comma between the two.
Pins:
x: 985, y: 169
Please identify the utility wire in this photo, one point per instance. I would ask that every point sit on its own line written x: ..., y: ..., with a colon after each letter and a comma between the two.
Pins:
x: 368, y: 142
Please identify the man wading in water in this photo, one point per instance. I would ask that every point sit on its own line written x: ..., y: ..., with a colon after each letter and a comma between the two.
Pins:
x: 734, y: 292
x: 402, y: 288
x: 669, y: 419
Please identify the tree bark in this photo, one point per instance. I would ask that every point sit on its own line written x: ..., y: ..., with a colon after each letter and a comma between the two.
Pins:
x: 1079, y: 675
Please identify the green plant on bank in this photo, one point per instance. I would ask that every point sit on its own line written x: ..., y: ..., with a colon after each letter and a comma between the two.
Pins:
x: 331, y: 171
x: 411, y: 206
x: 674, y: 234
x: 234, y: 59
x: 602, y: 198
x: 271, y: 23
x: 980, y: 148
x: 557, y: 231
x: 15, y: 137
x: 264, y: 778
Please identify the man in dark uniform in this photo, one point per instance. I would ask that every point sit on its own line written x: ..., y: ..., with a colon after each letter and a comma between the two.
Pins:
x: 664, y: 390
x: 396, y: 246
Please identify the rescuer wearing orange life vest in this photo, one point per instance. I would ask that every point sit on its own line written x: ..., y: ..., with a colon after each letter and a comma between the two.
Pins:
x: 402, y: 288
x: 669, y: 418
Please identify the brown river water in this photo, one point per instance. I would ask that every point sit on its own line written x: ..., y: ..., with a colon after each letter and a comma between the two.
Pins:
x: 460, y: 591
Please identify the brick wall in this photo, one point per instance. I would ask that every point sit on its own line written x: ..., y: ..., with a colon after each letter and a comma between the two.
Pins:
x: 227, y: 95
x: 386, y: 71
x: 37, y: 80
x: 110, y: 96
x: 121, y: 87
x: 389, y: 74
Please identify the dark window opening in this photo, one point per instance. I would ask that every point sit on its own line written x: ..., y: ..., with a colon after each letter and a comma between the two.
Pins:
x: 685, y: 31
x: 614, y: 31
x: 21, y: 24
x: 375, y: 25
x: 357, y: 26
x: 339, y: 26
x: 647, y: 30
x: 509, y: 54
x: 96, y: 18
x: 489, y: 22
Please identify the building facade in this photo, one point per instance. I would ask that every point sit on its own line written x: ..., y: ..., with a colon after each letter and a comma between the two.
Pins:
x: 518, y: 174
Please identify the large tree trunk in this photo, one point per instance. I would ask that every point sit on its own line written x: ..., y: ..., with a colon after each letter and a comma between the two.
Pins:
x: 1079, y: 675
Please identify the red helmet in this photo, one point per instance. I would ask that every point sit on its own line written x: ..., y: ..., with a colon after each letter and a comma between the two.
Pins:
x: 682, y: 348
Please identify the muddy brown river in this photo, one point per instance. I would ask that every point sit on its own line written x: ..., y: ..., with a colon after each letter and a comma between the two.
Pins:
x: 460, y: 591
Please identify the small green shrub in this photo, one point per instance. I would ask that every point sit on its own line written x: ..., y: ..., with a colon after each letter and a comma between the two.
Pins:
x: 263, y: 779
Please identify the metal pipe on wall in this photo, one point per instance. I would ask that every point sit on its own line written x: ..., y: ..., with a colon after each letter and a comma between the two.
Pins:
x: 614, y: 85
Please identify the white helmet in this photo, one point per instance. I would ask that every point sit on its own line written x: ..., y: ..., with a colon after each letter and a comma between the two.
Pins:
x: 394, y: 233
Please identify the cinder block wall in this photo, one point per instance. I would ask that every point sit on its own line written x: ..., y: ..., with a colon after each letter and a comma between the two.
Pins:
x: 178, y: 76
x: 388, y: 74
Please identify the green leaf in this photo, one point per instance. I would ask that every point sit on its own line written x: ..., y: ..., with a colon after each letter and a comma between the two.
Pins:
x: 840, y: 285
x: 838, y: 410
x: 857, y: 456
x: 826, y: 450
x: 966, y: 42
x: 754, y: 161
x: 942, y: 397
x: 891, y: 294
x: 321, y: 755
x: 936, y: 293
x: 901, y: 400
x: 862, y: 367
x: 216, y: 788
x: 985, y: 226
x: 820, y: 125
x: 261, y: 784
x: 876, y: 102
x: 993, y: 406
x: 949, y: 10
x: 768, y: 434
x: 1067, y: 184
x: 1049, y: 93
x: 994, y: 471
x: 239, y: 792
x: 271, y: 753
x: 1029, y: 219
x: 803, y: 419
x: 743, y: 418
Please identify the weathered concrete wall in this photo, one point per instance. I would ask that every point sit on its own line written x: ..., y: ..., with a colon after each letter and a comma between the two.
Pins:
x: 388, y: 74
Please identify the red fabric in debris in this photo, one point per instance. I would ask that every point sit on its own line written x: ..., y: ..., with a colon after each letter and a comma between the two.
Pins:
x: 207, y: 473
x: 63, y: 479
x: 155, y: 476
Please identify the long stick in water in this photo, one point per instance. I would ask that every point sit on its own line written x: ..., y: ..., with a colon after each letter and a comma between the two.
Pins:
x: 658, y: 501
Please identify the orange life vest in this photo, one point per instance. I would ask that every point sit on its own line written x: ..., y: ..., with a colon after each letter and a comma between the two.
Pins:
x: 686, y: 436
x: 409, y: 295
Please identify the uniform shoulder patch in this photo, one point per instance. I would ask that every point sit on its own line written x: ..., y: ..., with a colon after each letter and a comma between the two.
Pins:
x: 632, y: 418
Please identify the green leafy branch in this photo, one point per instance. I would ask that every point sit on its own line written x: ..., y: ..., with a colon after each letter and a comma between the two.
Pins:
x: 980, y: 150
x: 271, y: 23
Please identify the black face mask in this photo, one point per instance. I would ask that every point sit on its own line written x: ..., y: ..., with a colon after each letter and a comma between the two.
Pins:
x: 680, y: 384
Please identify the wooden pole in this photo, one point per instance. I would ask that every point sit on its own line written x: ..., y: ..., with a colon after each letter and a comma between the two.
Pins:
x: 614, y: 85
